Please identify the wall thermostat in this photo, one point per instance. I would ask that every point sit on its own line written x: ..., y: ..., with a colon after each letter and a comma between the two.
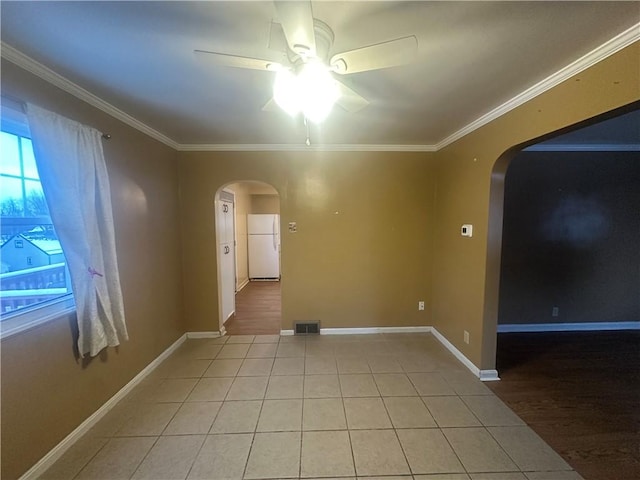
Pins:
x: 466, y: 230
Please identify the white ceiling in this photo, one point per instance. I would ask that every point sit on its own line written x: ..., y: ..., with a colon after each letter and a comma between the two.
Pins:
x: 472, y: 58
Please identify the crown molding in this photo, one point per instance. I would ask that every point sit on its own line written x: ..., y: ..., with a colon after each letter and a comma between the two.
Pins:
x: 583, y: 147
x: 605, y: 50
x: 291, y: 147
x: 20, y: 59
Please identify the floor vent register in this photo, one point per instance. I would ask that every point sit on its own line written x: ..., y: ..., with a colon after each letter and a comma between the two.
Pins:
x: 307, y: 328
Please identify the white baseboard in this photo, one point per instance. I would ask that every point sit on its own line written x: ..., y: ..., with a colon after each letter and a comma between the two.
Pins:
x: 456, y: 353
x: 242, y: 285
x: 204, y: 334
x: 567, y: 327
x: 371, y: 330
x: 484, y: 375
x: 364, y: 330
x: 489, y: 375
x: 50, y: 458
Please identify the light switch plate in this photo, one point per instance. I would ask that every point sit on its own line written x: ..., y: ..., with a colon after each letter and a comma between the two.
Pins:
x: 466, y: 230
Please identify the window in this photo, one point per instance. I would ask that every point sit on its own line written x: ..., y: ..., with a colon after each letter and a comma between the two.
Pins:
x: 33, y: 268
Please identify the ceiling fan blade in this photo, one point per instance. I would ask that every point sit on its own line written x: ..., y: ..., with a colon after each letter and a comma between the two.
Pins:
x: 270, y: 106
x: 296, y: 18
x: 350, y: 100
x: 382, y: 55
x: 277, y: 40
x: 225, y: 60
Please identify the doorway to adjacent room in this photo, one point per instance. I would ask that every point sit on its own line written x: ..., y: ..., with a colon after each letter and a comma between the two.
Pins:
x: 258, y: 310
x: 257, y: 296
x: 567, y: 260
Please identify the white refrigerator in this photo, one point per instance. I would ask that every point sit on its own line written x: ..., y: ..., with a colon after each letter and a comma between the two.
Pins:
x: 264, y: 246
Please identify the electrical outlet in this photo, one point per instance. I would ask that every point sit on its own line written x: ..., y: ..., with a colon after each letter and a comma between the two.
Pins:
x: 466, y: 337
x: 420, y: 305
x: 555, y: 311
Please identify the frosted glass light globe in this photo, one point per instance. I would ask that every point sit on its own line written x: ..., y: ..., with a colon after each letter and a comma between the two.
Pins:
x: 313, y: 91
x: 318, y: 91
x: 286, y: 92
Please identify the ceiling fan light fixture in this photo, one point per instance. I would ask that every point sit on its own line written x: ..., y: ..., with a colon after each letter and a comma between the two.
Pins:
x: 285, y: 92
x: 318, y: 89
x: 305, y: 82
x: 313, y: 91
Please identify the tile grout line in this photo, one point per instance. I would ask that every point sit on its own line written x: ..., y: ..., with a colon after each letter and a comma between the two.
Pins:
x: 505, y: 452
x: 157, y: 437
x: 195, y: 457
x: 304, y: 371
x: 395, y: 432
x: 91, y: 458
x: 346, y: 423
x: 482, y: 425
x: 255, y: 428
x: 144, y: 458
x: 176, y: 413
x: 448, y: 442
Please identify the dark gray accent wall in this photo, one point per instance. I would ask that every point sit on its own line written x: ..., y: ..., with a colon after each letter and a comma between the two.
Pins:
x: 571, y: 238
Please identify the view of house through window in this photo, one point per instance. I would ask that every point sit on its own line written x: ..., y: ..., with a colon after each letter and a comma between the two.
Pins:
x: 33, y: 267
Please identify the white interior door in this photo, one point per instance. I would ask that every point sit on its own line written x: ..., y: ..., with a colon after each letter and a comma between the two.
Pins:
x: 226, y: 255
x: 227, y: 274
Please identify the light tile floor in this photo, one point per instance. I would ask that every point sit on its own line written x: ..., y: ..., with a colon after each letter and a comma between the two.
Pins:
x: 396, y: 406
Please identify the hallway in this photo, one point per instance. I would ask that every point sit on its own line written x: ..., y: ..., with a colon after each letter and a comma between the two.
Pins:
x: 258, y: 310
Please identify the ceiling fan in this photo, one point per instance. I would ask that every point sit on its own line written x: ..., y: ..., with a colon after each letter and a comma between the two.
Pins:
x: 304, y: 79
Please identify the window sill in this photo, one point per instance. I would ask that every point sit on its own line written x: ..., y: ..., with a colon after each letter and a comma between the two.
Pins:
x: 37, y: 316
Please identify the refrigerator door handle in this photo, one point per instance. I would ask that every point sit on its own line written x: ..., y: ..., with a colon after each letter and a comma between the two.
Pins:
x: 275, y: 234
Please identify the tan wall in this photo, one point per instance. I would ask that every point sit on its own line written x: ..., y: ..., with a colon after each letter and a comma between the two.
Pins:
x: 265, y: 204
x: 242, y: 209
x: 469, y: 190
x: 46, y: 392
x: 362, y: 254
x: 259, y: 188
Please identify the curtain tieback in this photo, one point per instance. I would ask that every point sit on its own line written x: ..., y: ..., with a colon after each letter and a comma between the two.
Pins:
x: 93, y: 272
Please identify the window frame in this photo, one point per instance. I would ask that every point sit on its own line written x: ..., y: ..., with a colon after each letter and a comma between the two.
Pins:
x: 14, y: 122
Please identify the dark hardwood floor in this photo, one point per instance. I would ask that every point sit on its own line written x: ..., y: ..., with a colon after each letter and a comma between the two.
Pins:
x: 580, y: 391
x: 258, y: 310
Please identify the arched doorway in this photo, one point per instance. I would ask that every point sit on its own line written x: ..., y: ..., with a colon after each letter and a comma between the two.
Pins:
x: 600, y: 128
x: 568, y: 313
x: 249, y: 287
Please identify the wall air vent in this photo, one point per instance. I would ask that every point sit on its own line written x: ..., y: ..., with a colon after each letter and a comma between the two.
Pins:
x: 307, y: 328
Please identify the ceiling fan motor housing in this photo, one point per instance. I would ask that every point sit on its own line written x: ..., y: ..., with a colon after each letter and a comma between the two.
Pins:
x: 324, y: 39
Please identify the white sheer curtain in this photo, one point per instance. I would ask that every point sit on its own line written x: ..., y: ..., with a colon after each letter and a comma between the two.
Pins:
x: 74, y: 178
